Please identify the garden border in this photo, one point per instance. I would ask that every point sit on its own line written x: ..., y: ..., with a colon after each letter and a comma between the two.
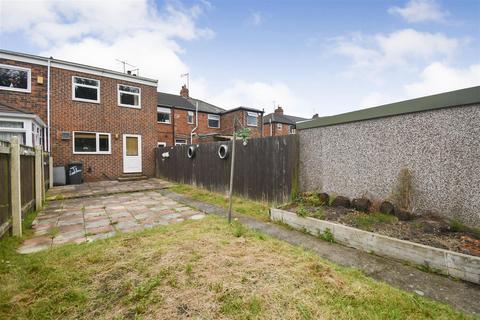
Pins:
x: 447, y: 262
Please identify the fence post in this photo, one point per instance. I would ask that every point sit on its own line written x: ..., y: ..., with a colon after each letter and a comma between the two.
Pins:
x: 50, y: 171
x: 38, y: 178
x: 15, y: 187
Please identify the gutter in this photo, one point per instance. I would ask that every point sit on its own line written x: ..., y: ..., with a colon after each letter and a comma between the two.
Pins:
x: 196, y: 123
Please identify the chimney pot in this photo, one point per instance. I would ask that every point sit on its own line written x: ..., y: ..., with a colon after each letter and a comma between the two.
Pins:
x: 184, y: 91
x: 279, y: 110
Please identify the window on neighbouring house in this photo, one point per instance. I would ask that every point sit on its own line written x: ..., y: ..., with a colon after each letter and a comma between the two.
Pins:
x: 292, y: 129
x: 252, y: 119
x: 213, y: 121
x: 190, y: 117
x: 9, y: 129
x: 279, y: 126
x: 91, y: 142
x: 180, y: 141
x: 85, y: 89
x: 15, y: 78
x: 161, y: 144
x: 163, y: 114
x: 129, y: 96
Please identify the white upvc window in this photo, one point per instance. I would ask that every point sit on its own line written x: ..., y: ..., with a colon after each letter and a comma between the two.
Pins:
x: 130, y: 97
x: 15, y: 78
x: 179, y: 142
x: 190, y: 116
x: 279, y: 126
x: 85, y: 89
x: 14, y: 128
x: 161, y: 144
x: 292, y: 129
x: 163, y: 115
x: 252, y: 119
x: 213, y: 121
x: 85, y: 142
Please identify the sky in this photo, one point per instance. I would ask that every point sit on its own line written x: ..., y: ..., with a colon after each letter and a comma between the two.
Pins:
x: 325, y: 57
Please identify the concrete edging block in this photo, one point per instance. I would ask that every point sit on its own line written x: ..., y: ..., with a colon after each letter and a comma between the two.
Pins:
x: 447, y: 262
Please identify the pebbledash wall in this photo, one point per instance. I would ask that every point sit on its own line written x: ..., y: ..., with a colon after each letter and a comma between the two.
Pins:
x: 437, y: 138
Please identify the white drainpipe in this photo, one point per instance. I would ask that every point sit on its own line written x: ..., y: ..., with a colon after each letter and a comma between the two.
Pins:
x: 196, y: 122
x: 48, y: 106
x: 271, y: 128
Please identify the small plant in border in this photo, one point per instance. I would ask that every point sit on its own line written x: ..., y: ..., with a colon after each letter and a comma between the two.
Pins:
x: 327, y: 235
x: 302, y: 211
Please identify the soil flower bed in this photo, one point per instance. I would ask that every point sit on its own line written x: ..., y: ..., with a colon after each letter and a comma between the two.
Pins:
x: 428, y: 229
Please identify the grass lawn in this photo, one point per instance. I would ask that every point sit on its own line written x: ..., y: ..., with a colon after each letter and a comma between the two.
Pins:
x: 203, y: 269
x: 242, y: 205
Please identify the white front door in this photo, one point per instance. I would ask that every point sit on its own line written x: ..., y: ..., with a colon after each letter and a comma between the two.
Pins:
x: 132, y: 153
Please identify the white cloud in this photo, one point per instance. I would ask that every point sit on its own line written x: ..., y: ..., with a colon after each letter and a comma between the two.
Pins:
x: 438, y: 77
x: 256, y: 95
x: 420, y: 11
x: 371, y: 55
x: 255, y: 19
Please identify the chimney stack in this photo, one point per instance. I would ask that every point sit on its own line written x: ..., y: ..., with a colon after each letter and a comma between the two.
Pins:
x: 315, y: 116
x: 184, y: 91
x: 279, y: 110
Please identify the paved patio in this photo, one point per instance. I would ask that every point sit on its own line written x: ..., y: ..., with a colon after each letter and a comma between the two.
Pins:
x: 89, y: 189
x: 90, y: 218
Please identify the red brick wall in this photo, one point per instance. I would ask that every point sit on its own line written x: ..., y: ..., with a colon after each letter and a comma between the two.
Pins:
x: 275, y: 130
x: 106, y: 116
x: 34, y: 101
x: 241, y: 115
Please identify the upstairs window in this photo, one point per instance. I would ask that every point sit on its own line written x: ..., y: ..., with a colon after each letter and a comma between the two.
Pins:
x: 15, y: 78
x: 213, y: 121
x: 129, y: 96
x: 279, y: 126
x: 84, y: 89
x: 190, y: 117
x: 292, y: 129
x: 91, y: 142
x: 163, y: 115
x: 252, y: 119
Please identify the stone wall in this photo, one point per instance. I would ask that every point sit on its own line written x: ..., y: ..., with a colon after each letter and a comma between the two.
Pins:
x: 441, y: 149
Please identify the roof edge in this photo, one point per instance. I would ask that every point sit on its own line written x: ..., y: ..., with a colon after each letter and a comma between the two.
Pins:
x: 455, y: 98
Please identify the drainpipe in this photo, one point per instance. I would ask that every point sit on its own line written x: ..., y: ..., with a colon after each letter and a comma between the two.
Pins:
x: 48, y: 105
x: 271, y: 128
x: 196, y: 123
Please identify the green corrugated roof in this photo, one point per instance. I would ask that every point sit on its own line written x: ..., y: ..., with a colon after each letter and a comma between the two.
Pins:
x: 437, y: 101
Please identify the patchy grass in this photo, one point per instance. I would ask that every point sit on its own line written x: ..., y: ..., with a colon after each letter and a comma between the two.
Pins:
x: 203, y: 269
x: 458, y: 226
x: 241, y: 205
x: 366, y: 221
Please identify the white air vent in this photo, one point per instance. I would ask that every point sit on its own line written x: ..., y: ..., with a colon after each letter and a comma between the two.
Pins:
x: 65, y: 135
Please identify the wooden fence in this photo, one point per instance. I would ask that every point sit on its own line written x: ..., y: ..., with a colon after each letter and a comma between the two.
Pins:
x: 265, y: 169
x: 27, y: 187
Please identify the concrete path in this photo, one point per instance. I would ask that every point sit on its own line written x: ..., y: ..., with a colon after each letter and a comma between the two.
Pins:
x: 87, y: 219
x: 89, y: 189
x: 461, y: 295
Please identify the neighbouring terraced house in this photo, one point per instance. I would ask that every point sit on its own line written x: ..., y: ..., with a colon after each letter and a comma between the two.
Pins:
x: 110, y: 121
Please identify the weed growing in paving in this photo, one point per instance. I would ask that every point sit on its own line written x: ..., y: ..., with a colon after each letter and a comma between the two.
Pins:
x: 327, y: 235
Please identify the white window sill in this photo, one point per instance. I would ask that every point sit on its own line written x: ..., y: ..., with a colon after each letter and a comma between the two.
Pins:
x: 86, y: 100
x: 16, y: 89
x: 163, y: 122
x: 129, y: 106
x: 92, y: 153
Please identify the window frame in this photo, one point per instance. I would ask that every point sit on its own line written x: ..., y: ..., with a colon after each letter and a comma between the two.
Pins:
x: 97, y: 142
x: 217, y: 118
x: 29, y: 81
x: 169, y: 115
x: 193, y: 117
x: 279, y: 125
x: 181, y: 143
x: 292, y: 129
x: 86, y: 86
x: 252, y: 114
x: 161, y: 143
x: 139, y: 94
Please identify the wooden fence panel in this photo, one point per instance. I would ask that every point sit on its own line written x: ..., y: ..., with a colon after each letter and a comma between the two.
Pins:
x: 5, y: 200
x: 27, y: 179
x: 265, y: 169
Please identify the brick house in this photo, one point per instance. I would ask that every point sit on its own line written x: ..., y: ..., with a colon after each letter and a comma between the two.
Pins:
x: 99, y: 117
x: 176, y: 120
x: 279, y: 124
x: 110, y: 121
